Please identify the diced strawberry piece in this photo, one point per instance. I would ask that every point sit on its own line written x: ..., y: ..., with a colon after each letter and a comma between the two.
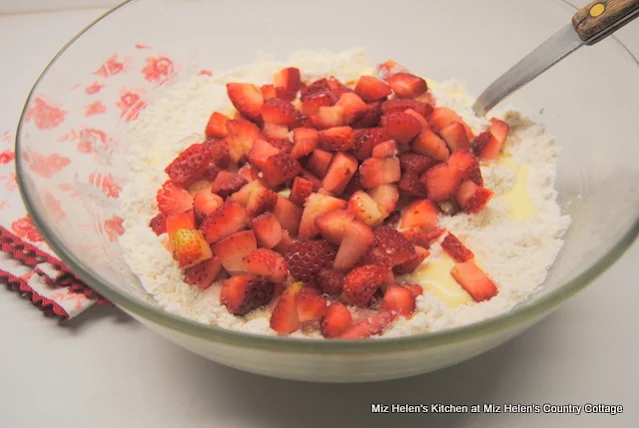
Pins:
x: 368, y: 327
x: 266, y: 263
x: 245, y: 293
x: 427, y: 143
x: 287, y: 82
x: 362, y: 282
x: 328, y: 117
x: 385, y: 149
x: 372, y: 89
x: 421, y: 254
x: 220, y: 154
x: 280, y: 112
x: 336, y: 320
x: 158, y: 224
x: 357, y: 240
x: 226, y: 220
x: 189, y: 165
x: 418, y: 237
x: 406, y: 85
x: 226, y: 183
x: 314, y: 101
x: 203, y: 274
x: 499, y: 129
x: 455, y: 137
x: 306, y: 258
x: 284, y: 145
x: 442, y: 117
x: 310, y: 305
x: 386, y: 197
x: 175, y: 222
x: 242, y: 195
x: 242, y: 135
x: 173, y: 200
x: 189, y: 247
x: 316, y: 205
x: 249, y: 172
x: 319, y: 162
x: 411, y: 186
x: 300, y: 190
x: 398, y: 300
x: 200, y: 186
x: 337, y: 139
x: 260, y: 152
x: 364, y: 207
x: 400, y: 105
x: 370, y: 118
x: 393, y: 245
x: 305, y: 141
x: 416, y: 163
x: 421, y: 119
x: 247, y: 99
x: 268, y: 230
x: 274, y: 131
x: 260, y: 199
x: 474, y: 281
x: 280, y: 168
x: 307, y: 175
x: 401, y: 127
x: 454, y: 248
x: 268, y: 92
x: 285, y: 243
x: 417, y: 290
x: 216, y: 127
x: 337, y: 87
x: 354, y: 107
x: 467, y: 166
x: 486, y: 146
x: 340, y: 171
x: 375, y: 172
x: 330, y: 281
x: 205, y: 203
x: 388, y: 68
x: 473, y: 198
x: 332, y: 225
x: 288, y: 215
x: 421, y: 213
x: 232, y: 250
x: 441, y: 182
x: 366, y: 140
x: 284, y: 318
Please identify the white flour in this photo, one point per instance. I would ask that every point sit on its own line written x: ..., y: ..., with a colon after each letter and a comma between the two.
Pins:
x: 516, y: 254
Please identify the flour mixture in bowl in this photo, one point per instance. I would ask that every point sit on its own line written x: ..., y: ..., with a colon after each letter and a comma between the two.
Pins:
x: 324, y: 197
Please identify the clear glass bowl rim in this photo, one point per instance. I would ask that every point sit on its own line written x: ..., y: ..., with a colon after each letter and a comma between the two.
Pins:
x: 165, y: 319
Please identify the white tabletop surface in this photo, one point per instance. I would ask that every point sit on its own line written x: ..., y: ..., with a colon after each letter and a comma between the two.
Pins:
x: 103, y: 369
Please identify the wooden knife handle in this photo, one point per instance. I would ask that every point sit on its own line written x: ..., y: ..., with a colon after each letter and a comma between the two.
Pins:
x: 601, y: 18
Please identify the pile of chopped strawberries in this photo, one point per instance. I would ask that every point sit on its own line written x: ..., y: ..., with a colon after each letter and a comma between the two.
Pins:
x: 371, y: 165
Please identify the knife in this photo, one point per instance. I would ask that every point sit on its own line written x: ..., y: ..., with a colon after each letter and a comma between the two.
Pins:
x: 590, y: 25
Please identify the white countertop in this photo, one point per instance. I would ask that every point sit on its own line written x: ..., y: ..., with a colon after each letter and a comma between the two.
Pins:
x: 104, y: 369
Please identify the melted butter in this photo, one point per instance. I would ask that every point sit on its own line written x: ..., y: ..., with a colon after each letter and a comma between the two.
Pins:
x: 518, y: 197
x: 435, y: 276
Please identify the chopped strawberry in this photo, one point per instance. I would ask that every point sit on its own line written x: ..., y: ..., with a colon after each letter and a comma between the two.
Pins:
x: 284, y: 145
x: 416, y: 163
x: 266, y: 263
x: 419, y: 238
x: 319, y: 162
x: 173, y: 200
x: 200, y: 186
x: 364, y: 207
x: 354, y: 107
x: 284, y: 318
x: 371, y: 116
x: 260, y: 152
x: 357, y: 240
x: 454, y: 248
x: 421, y: 119
x: 393, y: 245
x: 499, y: 129
x: 338, y: 87
x: 242, y: 135
x: 216, y: 126
x: 406, y: 85
x: 288, y: 215
x: 388, y: 68
x: 310, y: 305
x: 242, y: 195
x: 316, y: 205
x: 467, y: 167
x: 205, y: 203
x: 203, y: 274
x: 385, y: 149
x: 306, y: 258
x: 268, y: 230
x: 411, y: 186
x: 368, y: 327
x: 232, y: 250
x: 442, y: 117
x: 400, y: 105
x: 401, y: 127
x: 307, y: 175
x: 353, y: 185
x: 339, y: 173
x: 337, y: 139
x: 375, y: 172
x: 280, y: 112
x: 245, y: 293
x: 260, y: 199
x: 455, y: 137
x: 189, y: 247
x: 247, y: 99
x: 300, y: 190
x: 312, y: 102
x: 226, y: 183
x: 220, y: 154
x: 330, y: 281
x: 421, y: 213
x: 328, y: 117
x: 362, y: 282
x: 305, y: 141
x: 336, y: 320
x: 274, y: 131
x: 226, y: 220
x: 417, y: 290
x: 268, y: 92
x: 285, y: 243
x: 372, y: 89
x: 249, y: 172
x: 366, y: 139
x: 409, y: 266
x: 280, y: 168
x: 474, y: 281
x: 386, y: 197
x: 158, y: 224
x: 189, y: 165
x: 473, y: 198
x: 398, y: 300
x: 175, y: 222
x: 441, y: 182
x: 332, y: 225
x: 427, y: 143
x: 287, y: 82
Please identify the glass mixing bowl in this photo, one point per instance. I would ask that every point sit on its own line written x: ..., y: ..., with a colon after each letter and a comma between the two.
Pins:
x: 72, y: 144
